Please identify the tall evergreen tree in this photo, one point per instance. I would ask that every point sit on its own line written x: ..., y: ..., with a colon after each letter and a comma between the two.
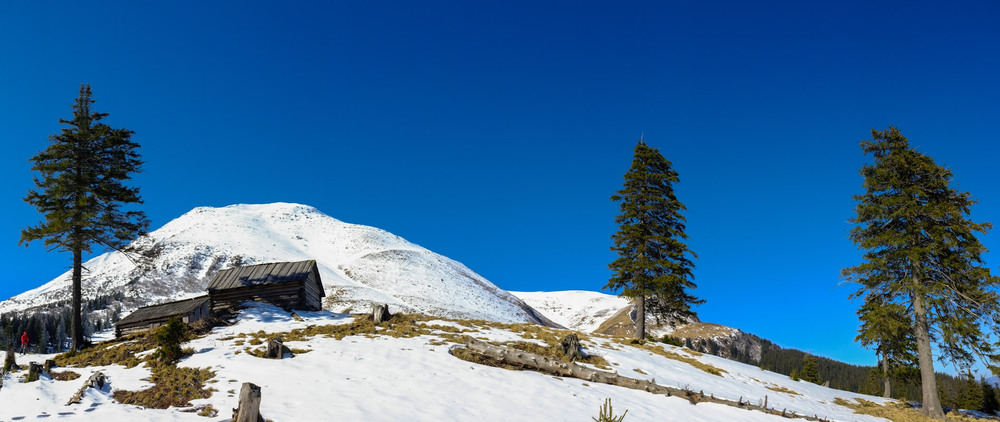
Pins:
x: 81, y: 192
x: 920, y: 250
x: 653, y: 265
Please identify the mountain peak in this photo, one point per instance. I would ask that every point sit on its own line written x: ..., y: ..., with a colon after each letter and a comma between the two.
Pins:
x: 360, y: 265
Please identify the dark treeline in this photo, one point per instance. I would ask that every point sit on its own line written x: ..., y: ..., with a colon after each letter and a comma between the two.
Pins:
x: 48, y: 327
x: 956, y: 392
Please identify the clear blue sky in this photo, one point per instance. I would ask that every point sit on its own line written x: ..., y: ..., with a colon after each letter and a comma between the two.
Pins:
x: 495, y: 132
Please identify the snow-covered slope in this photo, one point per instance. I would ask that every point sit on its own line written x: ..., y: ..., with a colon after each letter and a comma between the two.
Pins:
x: 384, y: 378
x: 579, y: 310
x: 359, y: 265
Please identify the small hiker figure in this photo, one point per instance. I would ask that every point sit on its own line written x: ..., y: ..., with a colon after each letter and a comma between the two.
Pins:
x: 24, y: 343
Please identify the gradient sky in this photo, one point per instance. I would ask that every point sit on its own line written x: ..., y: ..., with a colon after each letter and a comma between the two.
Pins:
x: 495, y: 132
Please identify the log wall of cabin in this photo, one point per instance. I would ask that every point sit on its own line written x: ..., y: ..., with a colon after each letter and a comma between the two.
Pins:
x: 287, y: 295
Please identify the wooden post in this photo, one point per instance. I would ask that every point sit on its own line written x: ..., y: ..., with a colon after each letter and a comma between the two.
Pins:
x: 380, y: 313
x: 249, y: 407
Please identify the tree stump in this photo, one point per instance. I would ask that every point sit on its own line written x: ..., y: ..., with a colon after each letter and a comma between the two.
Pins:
x: 571, y: 348
x: 249, y: 407
x: 276, y: 349
x: 49, y: 364
x: 9, y: 363
x: 34, y: 370
x: 380, y: 313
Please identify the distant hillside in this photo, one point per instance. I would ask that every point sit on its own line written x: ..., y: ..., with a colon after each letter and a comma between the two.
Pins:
x: 594, y: 312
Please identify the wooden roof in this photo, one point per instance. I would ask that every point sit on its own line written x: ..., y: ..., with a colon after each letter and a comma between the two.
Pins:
x: 163, y: 310
x: 271, y: 273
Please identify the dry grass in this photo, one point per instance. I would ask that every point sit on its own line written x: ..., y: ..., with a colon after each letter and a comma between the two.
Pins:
x: 173, y: 386
x: 782, y: 389
x: 114, y: 352
x: 64, y: 375
x: 702, y: 330
x: 659, y: 350
x: 896, y: 412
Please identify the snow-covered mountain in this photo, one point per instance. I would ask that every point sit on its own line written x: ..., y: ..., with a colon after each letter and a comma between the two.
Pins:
x: 579, y: 310
x: 359, y: 265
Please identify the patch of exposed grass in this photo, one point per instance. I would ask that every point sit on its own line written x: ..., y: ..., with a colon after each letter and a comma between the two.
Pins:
x: 400, y: 326
x: 782, y: 389
x: 114, y: 352
x: 173, y: 386
x: 896, y: 412
x: 641, y: 371
x: 64, y: 375
x: 659, y: 350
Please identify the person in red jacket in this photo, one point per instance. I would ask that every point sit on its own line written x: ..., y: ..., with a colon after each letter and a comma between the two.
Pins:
x: 24, y: 343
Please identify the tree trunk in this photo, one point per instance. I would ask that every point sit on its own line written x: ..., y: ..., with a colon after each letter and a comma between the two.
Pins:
x: 640, y: 318
x: 249, y: 407
x: 931, y: 404
x: 380, y: 313
x: 886, y: 391
x: 77, y: 329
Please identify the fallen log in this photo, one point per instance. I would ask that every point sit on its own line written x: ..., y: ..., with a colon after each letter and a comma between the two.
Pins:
x: 526, y: 360
x: 96, y: 381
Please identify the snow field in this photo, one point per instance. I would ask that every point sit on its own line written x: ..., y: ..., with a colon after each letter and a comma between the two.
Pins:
x: 416, y: 379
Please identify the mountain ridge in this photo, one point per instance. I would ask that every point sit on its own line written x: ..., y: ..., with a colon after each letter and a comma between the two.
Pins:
x: 360, y: 265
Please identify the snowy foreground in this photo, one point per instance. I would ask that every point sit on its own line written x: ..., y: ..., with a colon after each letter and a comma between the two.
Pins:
x: 382, y: 378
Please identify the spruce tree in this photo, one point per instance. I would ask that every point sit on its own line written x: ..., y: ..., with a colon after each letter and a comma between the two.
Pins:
x: 81, y: 193
x: 885, y: 327
x: 809, y: 371
x: 990, y: 403
x: 653, y: 265
x: 920, y: 251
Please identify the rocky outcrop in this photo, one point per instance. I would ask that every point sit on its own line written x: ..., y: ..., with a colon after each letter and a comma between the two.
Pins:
x: 720, y: 340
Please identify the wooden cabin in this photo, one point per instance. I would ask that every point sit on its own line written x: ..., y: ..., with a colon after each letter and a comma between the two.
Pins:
x: 149, y: 317
x: 290, y: 285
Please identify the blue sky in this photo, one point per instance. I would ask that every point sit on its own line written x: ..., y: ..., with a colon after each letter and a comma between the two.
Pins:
x: 495, y: 132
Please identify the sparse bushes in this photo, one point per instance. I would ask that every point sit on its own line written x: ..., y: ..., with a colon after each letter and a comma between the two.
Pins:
x: 673, y: 341
x: 607, y: 413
